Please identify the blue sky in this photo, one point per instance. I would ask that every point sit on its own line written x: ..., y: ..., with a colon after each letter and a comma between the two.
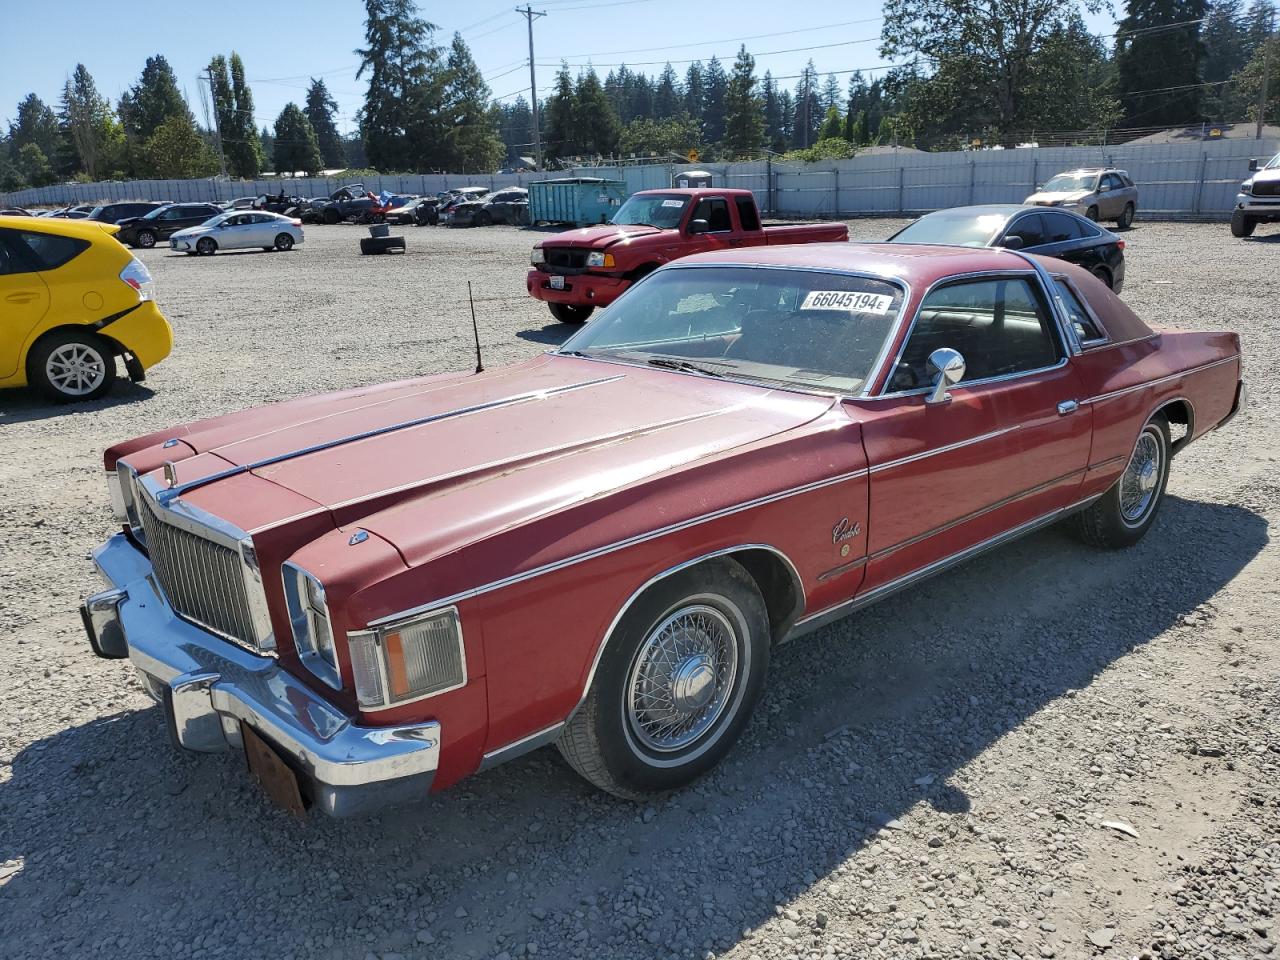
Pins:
x: 282, y: 45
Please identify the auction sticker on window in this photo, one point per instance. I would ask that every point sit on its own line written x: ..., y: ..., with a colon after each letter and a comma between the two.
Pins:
x: 673, y: 203
x: 877, y: 303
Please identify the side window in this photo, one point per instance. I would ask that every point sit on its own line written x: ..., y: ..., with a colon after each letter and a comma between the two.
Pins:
x: 10, y: 261
x: 1112, y: 181
x: 1086, y: 328
x: 1000, y: 326
x: 49, y: 250
x: 173, y: 213
x: 715, y: 211
x: 1059, y: 228
x: 1029, y: 228
x: 747, y: 213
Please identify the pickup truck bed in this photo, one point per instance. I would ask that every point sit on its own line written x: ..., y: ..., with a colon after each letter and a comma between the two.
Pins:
x: 576, y: 271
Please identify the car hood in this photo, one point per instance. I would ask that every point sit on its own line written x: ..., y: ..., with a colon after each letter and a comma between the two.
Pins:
x: 1058, y: 196
x: 1265, y: 176
x: 598, y: 238
x: 192, y: 231
x: 431, y: 465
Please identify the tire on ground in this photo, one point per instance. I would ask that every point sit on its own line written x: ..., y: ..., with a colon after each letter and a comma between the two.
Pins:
x: 570, y: 312
x: 604, y: 742
x: 65, y: 341
x: 1104, y: 522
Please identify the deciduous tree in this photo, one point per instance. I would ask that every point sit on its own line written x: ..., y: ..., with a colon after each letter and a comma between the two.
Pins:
x: 175, y: 150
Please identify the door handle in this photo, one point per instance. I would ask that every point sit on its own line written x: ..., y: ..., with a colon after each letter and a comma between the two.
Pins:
x: 1067, y: 406
x: 21, y: 297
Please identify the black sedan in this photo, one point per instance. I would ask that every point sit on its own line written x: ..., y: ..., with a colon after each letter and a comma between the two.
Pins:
x: 163, y: 222
x: 1050, y: 233
x: 126, y: 210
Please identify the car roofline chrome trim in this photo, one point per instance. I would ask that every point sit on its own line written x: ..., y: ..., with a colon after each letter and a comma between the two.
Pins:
x: 822, y: 618
x: 182, y: 488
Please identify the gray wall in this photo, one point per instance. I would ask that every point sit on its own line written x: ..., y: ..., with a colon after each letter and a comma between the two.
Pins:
x: 1176, y: 181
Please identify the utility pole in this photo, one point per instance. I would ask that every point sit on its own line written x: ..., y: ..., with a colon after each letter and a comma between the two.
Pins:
x: 217, y: 123
x: 530, y: 14
x: 1268, y: 44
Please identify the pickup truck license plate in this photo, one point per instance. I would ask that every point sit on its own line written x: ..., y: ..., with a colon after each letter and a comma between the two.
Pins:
x: 557, y: 282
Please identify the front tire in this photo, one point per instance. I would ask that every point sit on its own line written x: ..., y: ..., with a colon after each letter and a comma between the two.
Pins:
x: 72, y: 365
x: 146, y: 239
x: 1241, y: 225
x: 676, y: 684
x: 1123, y: 515
x: 206, y: 247
x: 284, y: 243
x: 570, y: 312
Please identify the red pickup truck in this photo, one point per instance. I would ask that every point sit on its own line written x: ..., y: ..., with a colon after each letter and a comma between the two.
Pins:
x: 577, y: 271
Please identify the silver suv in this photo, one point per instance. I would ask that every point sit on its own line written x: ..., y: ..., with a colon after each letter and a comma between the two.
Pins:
x: 1259, y: 198
x: 1098, y: 193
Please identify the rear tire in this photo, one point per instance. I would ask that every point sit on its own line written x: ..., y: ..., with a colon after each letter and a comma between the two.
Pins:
x: 570, y: 312
x: 676, y: 684
x: 72, y: 365
x: 284, y: 242
x: 1102, y: 274
x: 1242, y: 225
x: 1126, y: 217
x: 1123, y: 515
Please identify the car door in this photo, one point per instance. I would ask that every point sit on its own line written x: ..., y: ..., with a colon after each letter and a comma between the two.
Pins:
x: 1065, y: 237
x: 1111, y: 200
x: 1009, y: 447
x: 236, y: 232
x: 24, y: 299
x: 1028, y: 228
x: 260, y: 230
x: 720, y: 233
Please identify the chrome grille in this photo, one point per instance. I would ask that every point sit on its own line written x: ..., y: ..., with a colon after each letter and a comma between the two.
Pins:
x: 1267, y: 188
x: 203, y: 580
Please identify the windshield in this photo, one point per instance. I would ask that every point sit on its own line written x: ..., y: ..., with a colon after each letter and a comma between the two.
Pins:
x: 952, y: 227
x: 1274, y: 163
x: 654, y: 210
x: 151, y: 215
x: 1071, y: 183
x: 802, y: 329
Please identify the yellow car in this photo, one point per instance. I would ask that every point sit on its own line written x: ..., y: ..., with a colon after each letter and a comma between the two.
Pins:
x: 72, y: 300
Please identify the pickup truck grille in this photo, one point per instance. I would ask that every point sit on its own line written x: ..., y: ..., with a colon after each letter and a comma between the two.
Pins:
x: 204, y: 581
x: 1267, y: 188
x: 570, y: 257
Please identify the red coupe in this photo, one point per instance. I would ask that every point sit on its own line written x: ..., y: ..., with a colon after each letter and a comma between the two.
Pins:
x: 376, y: 593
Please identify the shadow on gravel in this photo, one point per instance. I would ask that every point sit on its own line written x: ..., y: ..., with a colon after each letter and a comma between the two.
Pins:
x: 27, y: 406
x: 553, y: 333
x: 121, y: 841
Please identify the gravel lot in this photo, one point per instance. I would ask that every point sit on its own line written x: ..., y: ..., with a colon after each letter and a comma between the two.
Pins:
x: 1050, y: 752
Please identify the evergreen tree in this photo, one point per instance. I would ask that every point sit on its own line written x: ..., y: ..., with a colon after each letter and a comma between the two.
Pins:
x: 473, y: 142
x: 808, y: 108
x: 744, y: 113
x: 402, y: 119
x: 234, y: 106
x: 787, y: 126
x: 1260, y: 22
x: 517, y: 130
x: 695, y: 93
x: 296, y: 145
x: 1156, y: 60
x: 666, y: 96
x: 91, y: 126
x: 175, y: 150
x: 644, y: 136
x: 775, y: 137
x: 595, y: 121
x: 268, y: 141
x: 640, y: 101
x: 152, y: 100
x: 33, y: 166
x: 832, y: 125
x: 36, y: 124
x: 830, y: 94
x: 716, y: 83
x: 561, y: 115
x: 320, y: 109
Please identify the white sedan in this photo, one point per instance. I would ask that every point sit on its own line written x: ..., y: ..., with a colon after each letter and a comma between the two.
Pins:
x: 239, y: 231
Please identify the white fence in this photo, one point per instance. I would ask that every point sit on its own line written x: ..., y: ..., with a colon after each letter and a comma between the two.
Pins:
x: 1175, y: 181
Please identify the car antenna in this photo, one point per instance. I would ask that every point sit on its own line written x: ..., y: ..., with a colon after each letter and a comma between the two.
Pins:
x: 475, y: 328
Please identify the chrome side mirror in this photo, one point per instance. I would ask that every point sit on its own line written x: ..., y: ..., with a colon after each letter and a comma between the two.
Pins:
x: 949, y: 366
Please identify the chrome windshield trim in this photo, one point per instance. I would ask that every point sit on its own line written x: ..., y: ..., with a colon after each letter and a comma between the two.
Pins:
x: 876, y: 366
x: 1154, y: 383
x: 381, y: 431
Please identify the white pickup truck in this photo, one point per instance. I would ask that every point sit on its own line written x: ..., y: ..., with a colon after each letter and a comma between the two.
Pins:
x: 1259, y: 198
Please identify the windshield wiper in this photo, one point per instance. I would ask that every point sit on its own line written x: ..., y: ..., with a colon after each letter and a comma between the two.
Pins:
x: 672, y: 363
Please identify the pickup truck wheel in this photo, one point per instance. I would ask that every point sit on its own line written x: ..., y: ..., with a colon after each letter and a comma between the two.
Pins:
x: 676, y: 684
x: 1242, y: 226
x: 1123, y: 515
x: 72, y: 365
x: 570, y: 312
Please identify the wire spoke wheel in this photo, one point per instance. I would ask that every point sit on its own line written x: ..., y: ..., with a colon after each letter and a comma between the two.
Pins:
x: 1141, y: 479
x: 76, y: 369
x: 682, y: 678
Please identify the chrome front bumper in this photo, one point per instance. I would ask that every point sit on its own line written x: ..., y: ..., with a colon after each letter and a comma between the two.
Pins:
x: 1258, y: 206
x: 208, y: 687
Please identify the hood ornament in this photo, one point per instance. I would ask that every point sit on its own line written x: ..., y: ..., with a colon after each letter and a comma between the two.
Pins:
x: 170, y: 474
